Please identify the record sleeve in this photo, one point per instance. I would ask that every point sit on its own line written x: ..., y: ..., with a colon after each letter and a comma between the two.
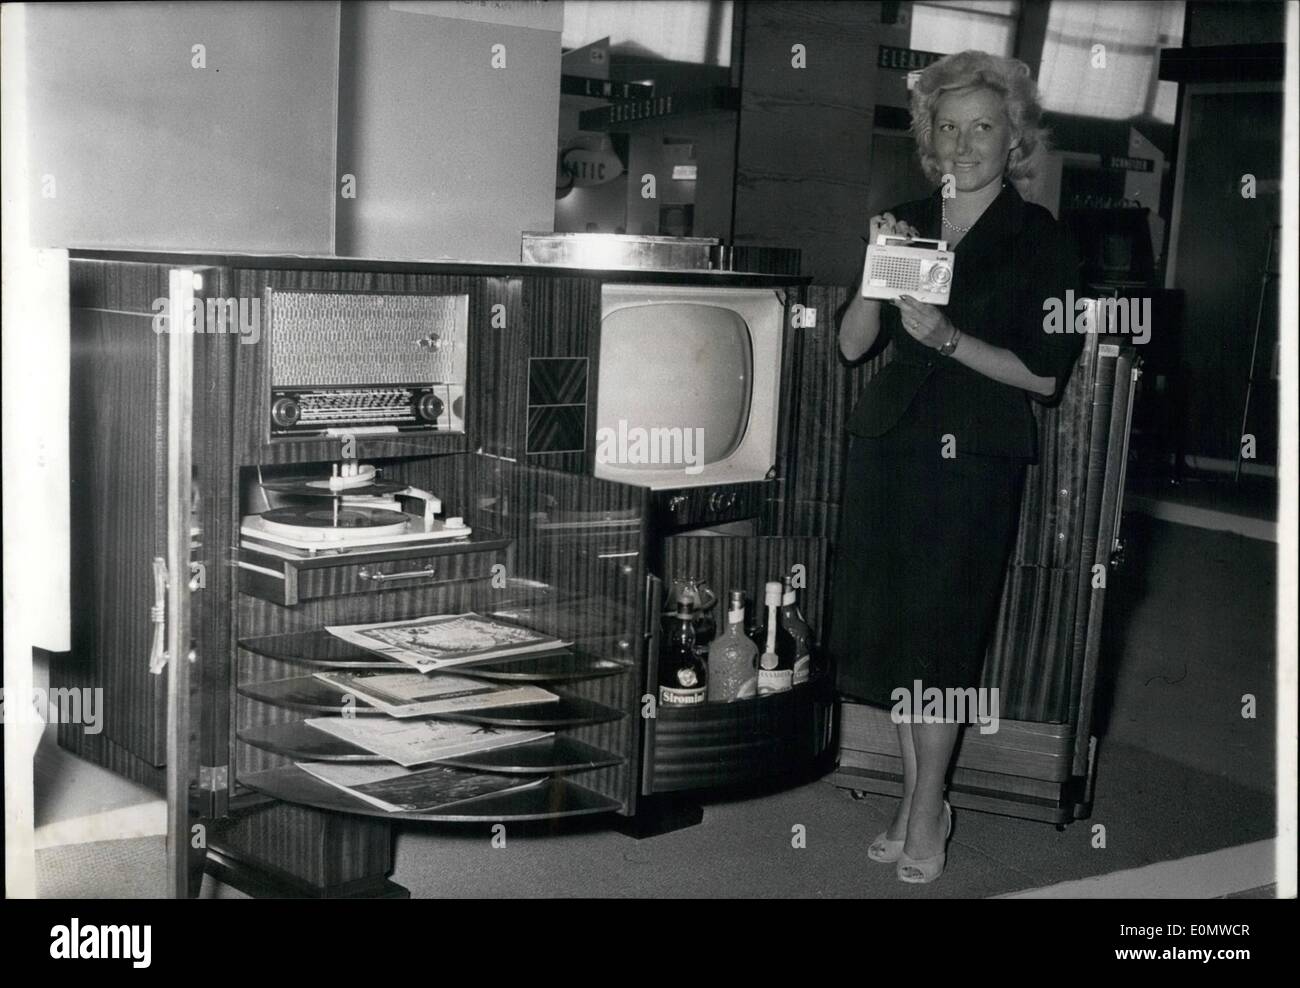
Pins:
x: 447, y: 640
x: 399, y: 790
x: 412, y: 694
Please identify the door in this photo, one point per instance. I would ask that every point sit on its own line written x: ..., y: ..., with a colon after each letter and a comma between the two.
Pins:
x: 130, y: 387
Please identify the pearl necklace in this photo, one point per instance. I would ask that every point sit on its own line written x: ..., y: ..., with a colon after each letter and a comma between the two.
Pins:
x: 943, y: 205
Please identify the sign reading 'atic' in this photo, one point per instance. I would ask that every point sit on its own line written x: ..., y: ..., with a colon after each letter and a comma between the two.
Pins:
x: 587, y: 167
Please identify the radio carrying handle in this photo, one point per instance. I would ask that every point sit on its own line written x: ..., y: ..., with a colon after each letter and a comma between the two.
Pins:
x: 886, y: 239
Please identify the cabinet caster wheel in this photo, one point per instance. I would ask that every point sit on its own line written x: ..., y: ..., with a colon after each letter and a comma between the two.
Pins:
x: 858, y: 793
x: 1060, y: 828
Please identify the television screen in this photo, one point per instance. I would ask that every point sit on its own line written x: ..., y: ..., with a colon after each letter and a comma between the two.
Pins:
x: 670, y: 367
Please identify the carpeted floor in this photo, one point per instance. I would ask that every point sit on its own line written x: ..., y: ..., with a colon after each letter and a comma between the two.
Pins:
x: 1151, y: 808
x: 1189, y: 632
x: 114, y: 869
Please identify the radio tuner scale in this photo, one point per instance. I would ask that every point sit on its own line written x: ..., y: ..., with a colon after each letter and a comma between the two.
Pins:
x: 352, y: 509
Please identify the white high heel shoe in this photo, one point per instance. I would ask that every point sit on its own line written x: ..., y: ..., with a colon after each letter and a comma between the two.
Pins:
x: 884, y: 850
x: 922, y: 871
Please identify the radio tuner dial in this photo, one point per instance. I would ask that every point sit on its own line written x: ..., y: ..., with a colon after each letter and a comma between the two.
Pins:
x: 427, y: 407
x: 285, y: 412
x: 940, y: 275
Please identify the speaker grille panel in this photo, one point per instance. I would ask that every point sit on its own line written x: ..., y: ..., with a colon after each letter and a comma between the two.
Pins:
x: 324, y: 339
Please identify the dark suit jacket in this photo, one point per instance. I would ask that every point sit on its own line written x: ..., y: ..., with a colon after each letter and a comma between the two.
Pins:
x: 1014, y: 257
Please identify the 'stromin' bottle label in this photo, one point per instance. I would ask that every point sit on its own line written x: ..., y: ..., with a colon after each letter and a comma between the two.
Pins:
x: 676, y: 697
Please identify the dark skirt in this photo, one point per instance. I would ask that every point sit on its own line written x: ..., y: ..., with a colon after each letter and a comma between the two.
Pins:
x: 920, y: 562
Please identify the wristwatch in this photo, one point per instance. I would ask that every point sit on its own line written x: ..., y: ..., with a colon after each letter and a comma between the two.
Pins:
x: 948, y: 348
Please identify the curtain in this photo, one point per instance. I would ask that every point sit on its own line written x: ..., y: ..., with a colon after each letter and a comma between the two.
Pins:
x: 1074, y: 81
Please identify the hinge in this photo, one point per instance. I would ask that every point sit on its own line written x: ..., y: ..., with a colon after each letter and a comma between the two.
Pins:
x: 214, y: 778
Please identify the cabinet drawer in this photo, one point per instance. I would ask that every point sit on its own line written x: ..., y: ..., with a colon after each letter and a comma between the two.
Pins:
x: 418, y: 571
x: 290, y: 582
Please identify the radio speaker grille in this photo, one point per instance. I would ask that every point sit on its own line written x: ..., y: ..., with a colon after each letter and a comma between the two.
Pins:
x: 898, y: 272
x: 324, y: 339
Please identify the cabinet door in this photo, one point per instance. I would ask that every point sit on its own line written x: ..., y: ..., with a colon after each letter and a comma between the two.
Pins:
x: 130, y: 444
x: 118, y: 478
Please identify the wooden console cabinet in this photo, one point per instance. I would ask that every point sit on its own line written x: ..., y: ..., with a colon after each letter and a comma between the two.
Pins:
x: 161, y: 424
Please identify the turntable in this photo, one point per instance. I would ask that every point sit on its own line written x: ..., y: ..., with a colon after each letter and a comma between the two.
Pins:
x: 349, y: 510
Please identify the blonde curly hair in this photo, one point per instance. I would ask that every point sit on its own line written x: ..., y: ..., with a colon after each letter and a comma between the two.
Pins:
x: 1009, y: 78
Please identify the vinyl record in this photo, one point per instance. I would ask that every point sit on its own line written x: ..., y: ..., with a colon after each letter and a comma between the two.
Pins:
x: 371, y: 521
x: 320, y: 488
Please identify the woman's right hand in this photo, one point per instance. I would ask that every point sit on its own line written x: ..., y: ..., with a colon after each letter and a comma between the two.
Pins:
x: 859, y: 322
x: 885, y: 224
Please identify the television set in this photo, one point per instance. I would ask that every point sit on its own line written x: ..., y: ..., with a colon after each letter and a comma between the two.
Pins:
x: 688, y: 384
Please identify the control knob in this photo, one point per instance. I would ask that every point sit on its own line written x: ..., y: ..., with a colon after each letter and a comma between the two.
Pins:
x: 285, y: 412
x: 427, y: 406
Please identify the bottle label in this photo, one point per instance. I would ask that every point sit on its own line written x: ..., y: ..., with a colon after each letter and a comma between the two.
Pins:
x: 775, y: 680
x: 802, y: 669
x: 675, y: 697
x: 788, y: 598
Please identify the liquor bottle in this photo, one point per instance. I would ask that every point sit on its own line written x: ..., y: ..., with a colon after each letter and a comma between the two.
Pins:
x: 733, y: 658
x: 702, y: 599
x: 776, y: 663
x: 682, y: 676
x: 793, y: 621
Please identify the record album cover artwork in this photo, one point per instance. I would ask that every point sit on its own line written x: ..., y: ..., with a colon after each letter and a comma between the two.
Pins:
x: 430, y: 643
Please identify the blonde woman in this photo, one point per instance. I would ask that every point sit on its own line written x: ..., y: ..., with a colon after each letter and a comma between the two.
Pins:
x: 942, y: 436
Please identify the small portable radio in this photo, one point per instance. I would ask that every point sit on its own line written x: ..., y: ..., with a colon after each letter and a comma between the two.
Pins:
x: 897, y: 266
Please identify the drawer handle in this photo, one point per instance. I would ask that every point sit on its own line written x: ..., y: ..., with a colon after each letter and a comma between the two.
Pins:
x: 374, y: 576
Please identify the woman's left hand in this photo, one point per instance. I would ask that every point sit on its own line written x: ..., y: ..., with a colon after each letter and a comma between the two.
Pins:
x: 924, y: 322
